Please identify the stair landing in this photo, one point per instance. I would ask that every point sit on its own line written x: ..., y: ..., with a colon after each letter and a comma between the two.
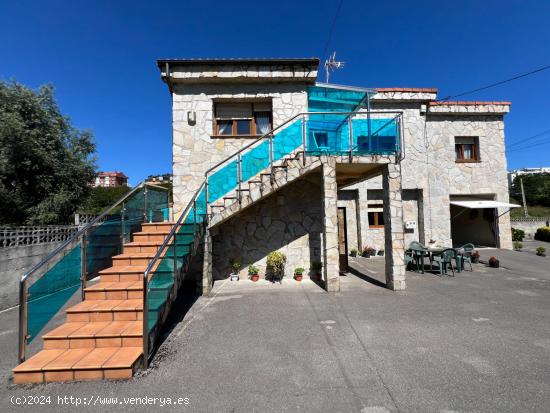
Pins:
x: 103, y: 335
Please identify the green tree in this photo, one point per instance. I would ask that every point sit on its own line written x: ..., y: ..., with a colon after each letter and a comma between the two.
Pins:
x: 101, y: 198
x: 536, y: 186
x: 46, y: 164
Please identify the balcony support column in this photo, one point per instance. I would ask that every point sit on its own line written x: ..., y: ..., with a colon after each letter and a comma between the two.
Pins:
x: 394, y: 227
x: 206, y: 286
x: 331, y: 274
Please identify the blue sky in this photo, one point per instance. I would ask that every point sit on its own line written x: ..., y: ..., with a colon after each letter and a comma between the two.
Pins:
x: 100, y: 55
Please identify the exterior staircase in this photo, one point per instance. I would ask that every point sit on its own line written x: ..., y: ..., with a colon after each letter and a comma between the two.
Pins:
x: 102, y: 337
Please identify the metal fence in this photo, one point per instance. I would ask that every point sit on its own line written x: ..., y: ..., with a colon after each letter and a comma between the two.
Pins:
x: 17, y: 236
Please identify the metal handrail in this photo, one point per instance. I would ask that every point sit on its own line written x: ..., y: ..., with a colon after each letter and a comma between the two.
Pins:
x: 81, y: 233
x: 172, y: 233
x: 87, y: 226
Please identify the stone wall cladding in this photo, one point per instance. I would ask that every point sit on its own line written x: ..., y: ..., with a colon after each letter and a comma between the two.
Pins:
x: 194, y: 151
x: 289, y: 221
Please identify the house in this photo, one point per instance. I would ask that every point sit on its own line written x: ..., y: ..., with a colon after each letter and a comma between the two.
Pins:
x: 314, y: 169
x: 110, y: 179
x: 526, y: 171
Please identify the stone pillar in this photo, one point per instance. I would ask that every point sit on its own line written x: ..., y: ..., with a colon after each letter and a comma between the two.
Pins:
x: 206, y: 287
x: 394, y: 228
x: 331, y: 274
x: 362, y: 214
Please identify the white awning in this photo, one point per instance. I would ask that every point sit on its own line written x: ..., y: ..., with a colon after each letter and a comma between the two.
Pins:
x: 483, y: 204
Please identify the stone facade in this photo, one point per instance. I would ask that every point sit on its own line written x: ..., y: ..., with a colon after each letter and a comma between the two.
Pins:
x: 289, y: 221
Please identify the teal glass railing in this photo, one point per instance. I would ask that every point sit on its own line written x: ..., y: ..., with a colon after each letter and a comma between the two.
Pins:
x: 168, y: 269
x: 55, y: 281
x: 314, y: 133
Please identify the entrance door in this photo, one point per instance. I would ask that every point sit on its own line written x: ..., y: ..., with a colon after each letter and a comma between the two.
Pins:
x: 342, y: 239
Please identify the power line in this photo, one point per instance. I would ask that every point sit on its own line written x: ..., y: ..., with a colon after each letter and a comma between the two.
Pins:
x: 331, y: 30
x: 518, y: 142
x: 540, y: 69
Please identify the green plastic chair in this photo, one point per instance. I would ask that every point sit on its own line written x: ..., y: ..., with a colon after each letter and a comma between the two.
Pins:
x: 409, y: 257
x: 445, y: 259
x: 419, y: 251
x: 467, y: 255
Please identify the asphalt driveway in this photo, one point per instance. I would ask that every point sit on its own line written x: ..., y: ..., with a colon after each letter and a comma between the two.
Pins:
x: 478, y: 342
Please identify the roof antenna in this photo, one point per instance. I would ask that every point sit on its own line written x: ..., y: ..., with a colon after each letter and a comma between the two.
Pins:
x: 331, y: 64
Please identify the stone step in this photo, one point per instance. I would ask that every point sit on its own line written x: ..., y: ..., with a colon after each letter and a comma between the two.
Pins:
x: 79, y: 364
x: 95, y: 335
x: 106, y: 310
x: 129, y: 273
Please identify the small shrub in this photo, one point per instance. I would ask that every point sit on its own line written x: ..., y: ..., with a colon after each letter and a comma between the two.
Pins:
x: 298, y: 271
x: 353, y: 252
x: 316, y: 266
x: 541, y: 251
x: 235, y: 266
x: 518, y: 234
x: 253, y: 270
x: 276, y: 263
x: 475, y: 254
x: 518, y: 245
x: 543, y: 234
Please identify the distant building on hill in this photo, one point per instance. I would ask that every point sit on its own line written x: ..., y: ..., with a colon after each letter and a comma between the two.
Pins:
x: 110, y: 179
x: 526, y: 171
x: 159, y: 179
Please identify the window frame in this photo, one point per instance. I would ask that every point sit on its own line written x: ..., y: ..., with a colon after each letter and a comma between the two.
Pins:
x: 475, y: 150
x: 251, y: 120
x: 377, y: 215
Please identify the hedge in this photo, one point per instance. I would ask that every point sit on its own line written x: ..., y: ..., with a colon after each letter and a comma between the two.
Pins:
x: 543, y: 234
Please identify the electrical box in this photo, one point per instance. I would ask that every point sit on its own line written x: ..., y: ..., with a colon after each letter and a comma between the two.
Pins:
x: 410, y: 224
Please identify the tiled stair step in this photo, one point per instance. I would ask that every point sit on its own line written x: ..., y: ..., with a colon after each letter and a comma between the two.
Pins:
x: 159, y: 236
x: 96, y: 335
x: 106, y: 310
x: 165, y: 226
x: 129, y: 273
x: 114, y: 290
x: 144, y: 258
x: 151, y: 246
x: 79, y: 364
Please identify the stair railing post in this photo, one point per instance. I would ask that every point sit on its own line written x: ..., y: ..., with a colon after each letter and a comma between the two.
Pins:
x: 239, y: 177
x: 145, y: 322
x: 271, y: 175
x: 194, y: 216
x: 23, y: 313
x: 206, y: 194
x: 175, y: 258
x: 122, y: 227
x: 83, y: 264
x: 350, y: 127
x: 144, y: 203
x: 304, y: 140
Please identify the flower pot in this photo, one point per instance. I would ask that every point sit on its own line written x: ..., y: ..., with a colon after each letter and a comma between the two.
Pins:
x: 353, y: 254
x: 365, y: 255
x: 475, y: 260
x: 254, y: 277
x: 380, y: 253
x: 298, y: 277
x: 494, y: 264
x: 542, y: 254
x: 234, y: 277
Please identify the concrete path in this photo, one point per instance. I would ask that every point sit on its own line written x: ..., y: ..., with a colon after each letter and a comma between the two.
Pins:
x: 478, y: 342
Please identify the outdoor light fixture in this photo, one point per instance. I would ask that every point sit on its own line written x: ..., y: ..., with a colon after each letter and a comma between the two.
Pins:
x: 191, y: 117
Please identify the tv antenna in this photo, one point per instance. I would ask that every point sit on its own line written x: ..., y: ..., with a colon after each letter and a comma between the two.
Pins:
x: 331, y: 64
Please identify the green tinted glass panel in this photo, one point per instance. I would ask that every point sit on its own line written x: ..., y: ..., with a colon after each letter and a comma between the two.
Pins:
x: 51, y: 291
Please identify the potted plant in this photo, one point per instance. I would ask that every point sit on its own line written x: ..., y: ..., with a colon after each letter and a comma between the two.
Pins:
x: 368, y: 252
x: 541, y: 251
x: 380, y: 253
x: 235, y: 268
x: 494, y: 262
x: 475, y: 256
x: 253, y: 273
x: 353, y: 252
x: 518, y: 245
x: 276, y: 265
x: 315, y: 268
x: 298, y: 273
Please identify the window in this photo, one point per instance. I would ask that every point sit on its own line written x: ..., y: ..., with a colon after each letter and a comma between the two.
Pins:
x: 242, y: 119
x: 376, y: 216
x: 467, y: 149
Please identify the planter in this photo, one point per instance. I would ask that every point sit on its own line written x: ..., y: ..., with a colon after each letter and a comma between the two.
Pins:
x: 380, y: 253
x: 298, y: 277
x: 234, y: 277
x: 475, y: 260
x: 365, y: 255
x: 254, y: 277
x: 353, y: 254
x: 494, y: 264
x: 541, y: 254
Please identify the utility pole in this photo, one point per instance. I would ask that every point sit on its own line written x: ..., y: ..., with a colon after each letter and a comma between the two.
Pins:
x: 523, y: 198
